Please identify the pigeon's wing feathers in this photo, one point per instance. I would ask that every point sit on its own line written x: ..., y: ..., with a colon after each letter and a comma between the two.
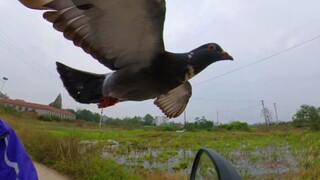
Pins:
x: 175, y: 101
x: 115, y: 32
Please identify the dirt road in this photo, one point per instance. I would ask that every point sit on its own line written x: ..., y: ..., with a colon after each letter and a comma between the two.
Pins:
x: 46, y: 173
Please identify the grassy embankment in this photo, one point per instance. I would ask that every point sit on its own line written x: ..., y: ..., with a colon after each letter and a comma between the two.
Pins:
x: 61, y: 145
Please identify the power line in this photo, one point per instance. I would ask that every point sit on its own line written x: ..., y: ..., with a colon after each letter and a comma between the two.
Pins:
x: 225, y: 100
x: 240, y: 109
x: 24, y: 54
x: 261, y: 60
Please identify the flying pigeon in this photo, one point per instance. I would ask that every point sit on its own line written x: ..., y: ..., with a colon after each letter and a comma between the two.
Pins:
x: 127, y: 37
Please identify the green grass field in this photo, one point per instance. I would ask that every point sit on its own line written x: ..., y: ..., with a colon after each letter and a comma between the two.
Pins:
x: 85, y: 151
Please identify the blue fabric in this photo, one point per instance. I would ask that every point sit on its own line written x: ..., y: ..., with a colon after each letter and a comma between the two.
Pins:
x: 15, y: 162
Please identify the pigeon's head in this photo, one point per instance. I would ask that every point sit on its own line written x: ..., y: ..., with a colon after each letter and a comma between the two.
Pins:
x: 213, y: 52
x: 207, y: 54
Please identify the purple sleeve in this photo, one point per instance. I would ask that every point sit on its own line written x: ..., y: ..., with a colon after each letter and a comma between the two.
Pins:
x: 15, y: 162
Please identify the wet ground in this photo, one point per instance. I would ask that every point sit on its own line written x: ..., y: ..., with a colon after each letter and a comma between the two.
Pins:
x: 255, y: 162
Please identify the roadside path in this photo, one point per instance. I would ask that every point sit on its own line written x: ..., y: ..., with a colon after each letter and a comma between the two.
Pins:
x: 45, y: 173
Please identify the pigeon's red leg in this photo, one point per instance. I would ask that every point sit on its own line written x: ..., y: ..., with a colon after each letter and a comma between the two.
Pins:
x: 107, y: 101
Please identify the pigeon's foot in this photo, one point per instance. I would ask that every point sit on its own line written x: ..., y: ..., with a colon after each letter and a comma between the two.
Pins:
x: 107, y: 101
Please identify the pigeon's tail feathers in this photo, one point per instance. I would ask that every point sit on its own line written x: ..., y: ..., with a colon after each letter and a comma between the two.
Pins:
x: 83, y: 86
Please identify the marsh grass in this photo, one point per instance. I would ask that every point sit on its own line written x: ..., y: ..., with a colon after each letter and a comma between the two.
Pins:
x: 60, y: 145
x: 66, y: 153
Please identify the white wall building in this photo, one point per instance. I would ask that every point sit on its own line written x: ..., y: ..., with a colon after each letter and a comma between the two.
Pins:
x: 39, y: 109
x: 161, y: 120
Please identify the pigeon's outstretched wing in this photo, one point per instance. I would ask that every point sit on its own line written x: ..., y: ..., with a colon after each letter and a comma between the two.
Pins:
x: 35, y: 4
x: 117, y: 33
x: 175, y: 101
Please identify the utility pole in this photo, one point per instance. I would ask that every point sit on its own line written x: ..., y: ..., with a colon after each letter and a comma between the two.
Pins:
x: 185, y: 118
x: 264, y: 112
x: 101, y: 117
x: 275, y: 109
x: 4, y: 79
x: 212, y: 122
x: 217, y: 117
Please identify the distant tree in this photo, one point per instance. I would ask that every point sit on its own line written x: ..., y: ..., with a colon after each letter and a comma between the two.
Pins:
x: 87, y: 115
x: 203, y: 123
x: 171, y: 126
x: 71, y: 110
x: 199, y: 124
x: 57, y: 103
x: 113, y: 121
x: 136, y: 121
x: 307, y: 116
x: 148, y: 120
x: 235, y: 125
x: 127, y: 122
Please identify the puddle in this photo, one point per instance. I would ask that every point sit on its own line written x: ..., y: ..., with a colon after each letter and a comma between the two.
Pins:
x: 262, y: 161
x: 152, y: 158
x: 268, y: 160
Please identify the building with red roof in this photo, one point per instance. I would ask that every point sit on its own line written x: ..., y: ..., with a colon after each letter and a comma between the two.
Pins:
x: 40, y: 109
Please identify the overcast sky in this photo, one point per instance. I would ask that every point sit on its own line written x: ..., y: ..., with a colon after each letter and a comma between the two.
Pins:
x: 250, y: 30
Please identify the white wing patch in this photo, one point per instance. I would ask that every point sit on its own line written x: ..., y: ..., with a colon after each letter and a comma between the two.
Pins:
x: 190, y: 73
x: 190, y: 55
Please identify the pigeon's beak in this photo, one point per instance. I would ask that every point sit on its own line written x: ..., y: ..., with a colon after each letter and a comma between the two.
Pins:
x: 226, y: 56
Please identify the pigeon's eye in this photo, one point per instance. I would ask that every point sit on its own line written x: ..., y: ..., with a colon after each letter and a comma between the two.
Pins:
x: 211, y: 47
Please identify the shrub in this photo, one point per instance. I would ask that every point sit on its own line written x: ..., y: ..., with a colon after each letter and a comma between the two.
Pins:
x: 69, y: 155
x: 53, y: 118
x: 201, y: 124
x: 48, y: 118
x: 168, y: 127
x: 307, y: 116
x: 235, y: 125
x: 10, y: 110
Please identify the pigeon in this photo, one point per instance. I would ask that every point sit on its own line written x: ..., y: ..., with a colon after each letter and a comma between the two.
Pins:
x: 126, y: 36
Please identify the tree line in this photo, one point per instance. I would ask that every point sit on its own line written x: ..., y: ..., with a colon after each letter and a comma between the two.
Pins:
x: 136, y: 121
x: 306, y: 117
x: 148, y: 120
